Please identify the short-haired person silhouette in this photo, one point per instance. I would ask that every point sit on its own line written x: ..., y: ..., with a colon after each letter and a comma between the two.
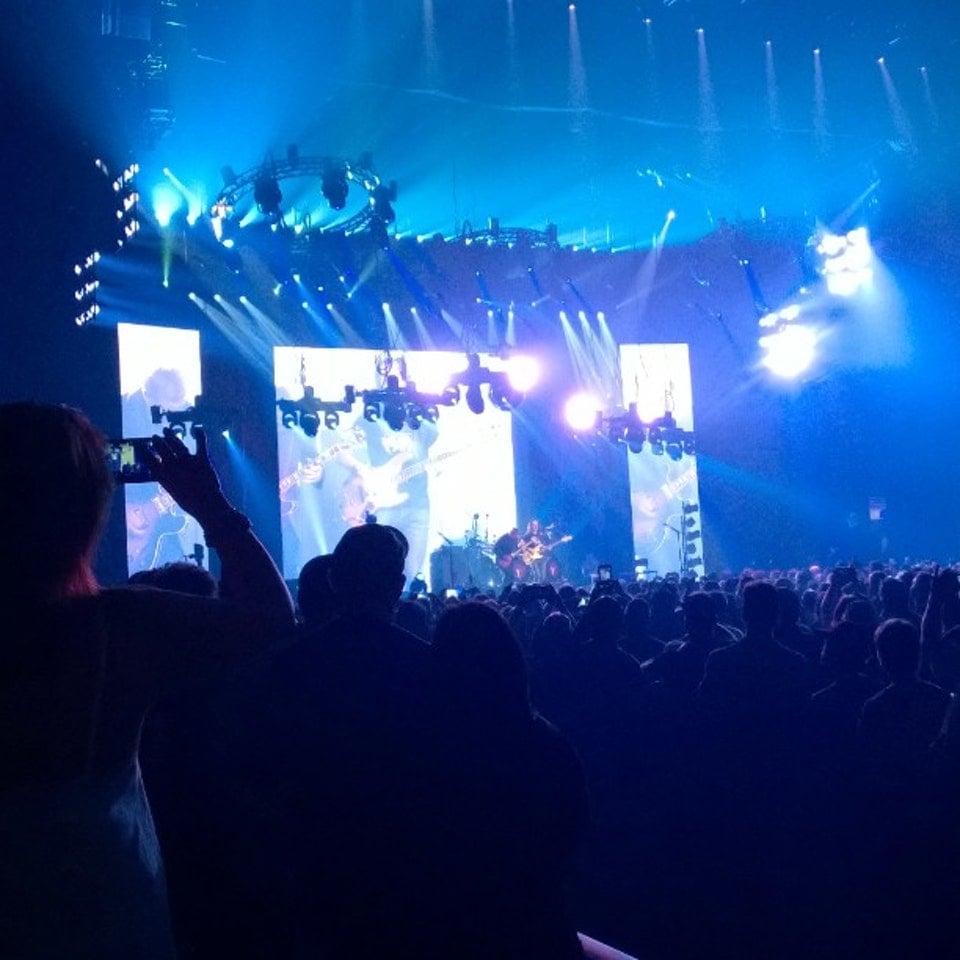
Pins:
x: 81, y: 873
x: 341, y: 752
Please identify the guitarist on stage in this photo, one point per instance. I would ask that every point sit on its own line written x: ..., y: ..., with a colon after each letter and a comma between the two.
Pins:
x: 533, y: 551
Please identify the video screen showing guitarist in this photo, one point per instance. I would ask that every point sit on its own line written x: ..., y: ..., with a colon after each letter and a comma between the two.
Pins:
x: 390, y: 481
x: 352, y: 475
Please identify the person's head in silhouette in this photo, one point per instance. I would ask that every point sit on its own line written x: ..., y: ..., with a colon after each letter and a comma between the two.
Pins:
x: 636, y: 617
x: 602, y: 621
x: 481, y: 665
x: 845, y: 650
x: 699, y: 616
x: 181, y: 576
x: 55, y: 479
x: 894, y: 597
x: 760, y: 608
x: 898, y: 650
x: 316, y: 600
x: 366, y: 572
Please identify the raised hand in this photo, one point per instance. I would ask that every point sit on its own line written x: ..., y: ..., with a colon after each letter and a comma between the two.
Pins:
x: 190, y: 478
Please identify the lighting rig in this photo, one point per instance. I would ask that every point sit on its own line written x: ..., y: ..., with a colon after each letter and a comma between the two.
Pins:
x: 499, y: 390
x: 403, y: 405
x: 691, y: 561
x: 663, y: 435
x: 333, y: 176
x: 306, y: 412
x: 400, y: 406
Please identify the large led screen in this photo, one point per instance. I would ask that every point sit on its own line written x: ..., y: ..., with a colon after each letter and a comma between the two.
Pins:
x: 656, y: 377
x: 448, y: 485
x: 159, y: 367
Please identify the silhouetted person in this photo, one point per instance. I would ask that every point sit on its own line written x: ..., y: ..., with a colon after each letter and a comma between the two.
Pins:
x: 899, y: 723
x: 682, y: 662
x: 180, y: 575
x: 81, y: 873
x: 516, y: 799
x: 638, y: 641
x: 346, y: 775
x: 315, y: 597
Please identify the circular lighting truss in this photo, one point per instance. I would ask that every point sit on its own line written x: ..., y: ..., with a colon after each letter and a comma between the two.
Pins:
x: 332, y: 176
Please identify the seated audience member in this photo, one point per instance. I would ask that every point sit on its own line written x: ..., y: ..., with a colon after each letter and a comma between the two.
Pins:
x: 516, y: 808
x: 81, y: 873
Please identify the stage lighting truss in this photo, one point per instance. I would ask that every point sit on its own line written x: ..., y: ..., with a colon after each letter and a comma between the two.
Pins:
x: 500, y: 391
x: 308, y: 412
x: 405, y: 406
x: 495, y: 235
x: 332, y: 176
x: 662, y: 435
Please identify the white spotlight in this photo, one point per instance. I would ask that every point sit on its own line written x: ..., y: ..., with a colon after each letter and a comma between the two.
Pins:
x: 789, y: 352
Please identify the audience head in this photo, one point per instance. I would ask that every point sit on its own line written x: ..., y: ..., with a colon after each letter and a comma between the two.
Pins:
x: 316, y: 600
x: 761, y: 606
x: 480, y: 662
x: 366, y: 572
x: 699, y: 614
x: 894, y: 594
x: 58, y: 488
x: 554, y: 636
x: 412, y: 616
x: 845, y: 649
x: 602, y: 620
x: 789, y: 601
x: 181, y: 576
x: 898, y: 649
x: 636, y: 617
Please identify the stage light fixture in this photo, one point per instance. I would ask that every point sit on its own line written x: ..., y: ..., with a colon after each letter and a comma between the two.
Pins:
x: 331, y: 419
x: 309, y: 423
x: 371, y: 412
x: 395, y: 415
x: 414, y: 416
x: 382, y: 199
x: 475, y: 402
x: 333, y: 183
x: 267, y: 195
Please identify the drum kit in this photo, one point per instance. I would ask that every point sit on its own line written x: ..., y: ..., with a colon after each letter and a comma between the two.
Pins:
x: 467, y: 562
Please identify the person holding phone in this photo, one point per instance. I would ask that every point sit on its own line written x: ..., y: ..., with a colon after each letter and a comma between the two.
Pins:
x: 81, y: 872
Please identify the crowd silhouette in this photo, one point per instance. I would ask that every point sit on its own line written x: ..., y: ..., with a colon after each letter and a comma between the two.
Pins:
x: 763, y: 764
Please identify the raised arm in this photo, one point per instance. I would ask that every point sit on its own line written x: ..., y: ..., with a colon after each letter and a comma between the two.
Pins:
x: 249, y: 576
